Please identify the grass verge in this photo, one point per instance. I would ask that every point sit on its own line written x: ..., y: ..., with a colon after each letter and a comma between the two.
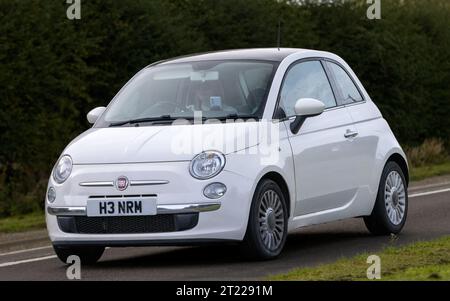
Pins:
x: 423, y: 172
x: 22, y: 223
x: 419, y: 261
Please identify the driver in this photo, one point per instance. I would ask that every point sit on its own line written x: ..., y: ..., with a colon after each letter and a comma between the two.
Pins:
x: 209, y: 96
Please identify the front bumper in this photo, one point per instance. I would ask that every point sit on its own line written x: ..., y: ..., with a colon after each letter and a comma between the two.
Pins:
x: 161, y: 209
x: 179, y: 193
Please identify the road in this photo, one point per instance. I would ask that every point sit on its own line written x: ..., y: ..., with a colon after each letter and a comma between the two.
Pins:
x: 429, y: 217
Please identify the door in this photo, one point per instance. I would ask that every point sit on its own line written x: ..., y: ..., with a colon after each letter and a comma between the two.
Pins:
x: 322, y: 149
x: 366, y: 118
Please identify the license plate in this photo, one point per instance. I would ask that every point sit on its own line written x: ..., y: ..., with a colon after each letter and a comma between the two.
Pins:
x: 121, y: 207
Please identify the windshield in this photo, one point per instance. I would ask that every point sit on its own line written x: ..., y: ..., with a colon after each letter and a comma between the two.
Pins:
x: 219, y: 89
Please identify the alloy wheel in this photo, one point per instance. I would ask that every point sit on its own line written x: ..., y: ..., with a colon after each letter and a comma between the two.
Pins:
x: 395, y: 197
x: 271, y: 220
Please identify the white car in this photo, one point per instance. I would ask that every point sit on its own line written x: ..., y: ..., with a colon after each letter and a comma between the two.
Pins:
x: 236, y: 146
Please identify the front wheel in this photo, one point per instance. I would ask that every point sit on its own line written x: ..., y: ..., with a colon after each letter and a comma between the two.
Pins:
x: 391, y: 206
x: 267, y: 225
x: 87, y: 255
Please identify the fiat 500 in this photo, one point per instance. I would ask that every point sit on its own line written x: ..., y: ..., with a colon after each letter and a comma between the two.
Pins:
x: 238, y: 146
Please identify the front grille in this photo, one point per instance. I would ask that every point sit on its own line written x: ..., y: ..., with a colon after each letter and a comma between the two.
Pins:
x: 128, y: 224
x: 125, y: 224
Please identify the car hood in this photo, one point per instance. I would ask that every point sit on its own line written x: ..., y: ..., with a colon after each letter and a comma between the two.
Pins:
x: 160, y: 143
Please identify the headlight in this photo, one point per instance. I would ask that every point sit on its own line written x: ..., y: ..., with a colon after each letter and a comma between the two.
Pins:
x: 207, y: 165
x: 62, y: 169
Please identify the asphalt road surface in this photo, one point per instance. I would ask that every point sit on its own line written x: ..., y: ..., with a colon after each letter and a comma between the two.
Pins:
x: 429, y: 217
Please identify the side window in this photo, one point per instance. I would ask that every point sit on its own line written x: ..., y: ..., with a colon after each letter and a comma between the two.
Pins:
x: 306, y: 80
x: 345, y: 84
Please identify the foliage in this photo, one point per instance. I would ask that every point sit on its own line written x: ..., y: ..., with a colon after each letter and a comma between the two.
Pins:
x: 431, y: 151
x: 20, y: 223
x: 54, y: 70
x: 431, y: 170
x: 419, y: 261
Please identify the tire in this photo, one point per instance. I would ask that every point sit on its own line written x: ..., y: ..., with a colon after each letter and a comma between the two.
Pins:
x: 88, y: 255
x: 267, y: 225
x: 391, y: 206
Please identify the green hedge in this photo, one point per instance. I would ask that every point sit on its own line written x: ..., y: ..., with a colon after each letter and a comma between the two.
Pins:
x: 53, y: 70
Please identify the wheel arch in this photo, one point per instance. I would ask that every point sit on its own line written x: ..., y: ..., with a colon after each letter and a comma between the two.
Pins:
x: 281, y: 182
x: 396, y: 155
x: 401, y: 161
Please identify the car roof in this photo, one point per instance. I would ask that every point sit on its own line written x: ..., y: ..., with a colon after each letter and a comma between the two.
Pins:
x: 263, y: 54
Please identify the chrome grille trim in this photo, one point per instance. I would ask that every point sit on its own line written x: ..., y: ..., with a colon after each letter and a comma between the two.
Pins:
x: 119, y: 196
x: 97, y: 184
x: 132, y: 183
x: 148, y: 182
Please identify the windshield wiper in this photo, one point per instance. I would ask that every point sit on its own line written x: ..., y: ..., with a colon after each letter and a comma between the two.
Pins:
x: 235, y: 116
x: 169, y: 118
x: 163, y: 118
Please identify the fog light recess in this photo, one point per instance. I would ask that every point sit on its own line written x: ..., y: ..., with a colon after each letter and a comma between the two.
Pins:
x: 215, y: 190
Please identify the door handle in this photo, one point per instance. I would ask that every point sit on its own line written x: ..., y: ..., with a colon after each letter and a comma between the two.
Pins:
x: 350, y: 134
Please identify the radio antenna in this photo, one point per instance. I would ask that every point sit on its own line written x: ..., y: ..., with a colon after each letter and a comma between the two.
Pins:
x: 279, y: 34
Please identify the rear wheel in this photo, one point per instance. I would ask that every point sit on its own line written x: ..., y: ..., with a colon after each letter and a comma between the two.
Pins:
x: 87, y: 255
x: 391, y: 207
x: 267, y: 226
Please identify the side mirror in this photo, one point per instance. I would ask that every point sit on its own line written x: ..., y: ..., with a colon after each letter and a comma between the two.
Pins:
x: 94, y: 114
x: 305, y: 108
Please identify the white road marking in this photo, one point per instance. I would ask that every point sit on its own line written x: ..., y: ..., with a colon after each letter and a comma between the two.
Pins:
x: 8, y: 264
x: 24, y: 251
x: 428, y: 193
x: 434, y: 185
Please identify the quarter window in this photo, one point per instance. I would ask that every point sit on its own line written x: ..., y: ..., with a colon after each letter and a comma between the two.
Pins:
x: 347, y: 87
x: 306, y: 80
